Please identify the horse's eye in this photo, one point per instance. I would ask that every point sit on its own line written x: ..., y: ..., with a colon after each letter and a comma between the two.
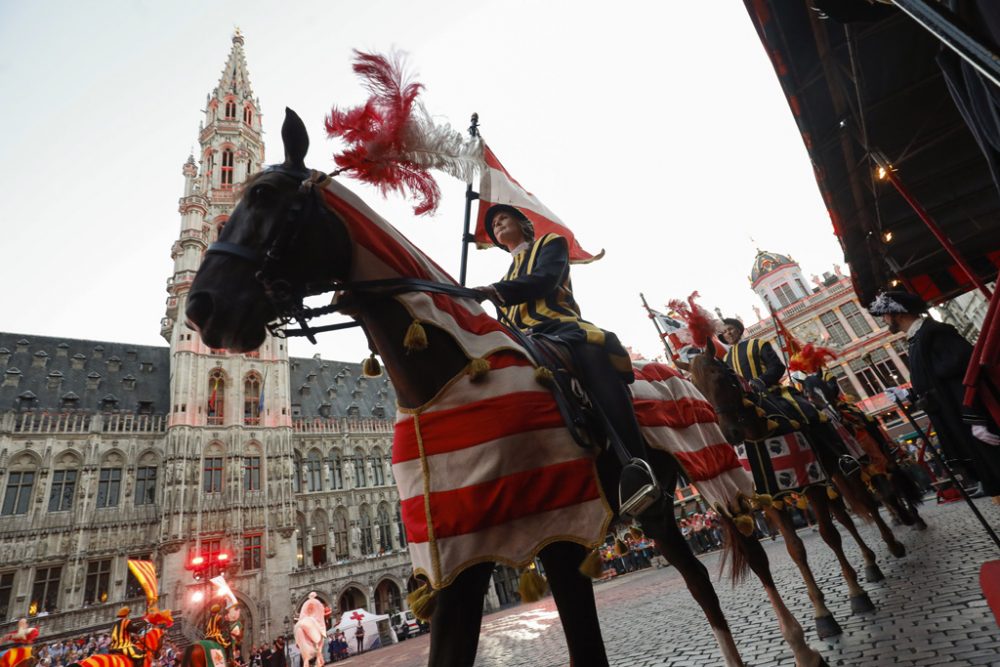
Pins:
x: 261, y: 194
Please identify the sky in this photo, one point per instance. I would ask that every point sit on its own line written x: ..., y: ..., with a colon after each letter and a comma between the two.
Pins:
x: 656, y: 131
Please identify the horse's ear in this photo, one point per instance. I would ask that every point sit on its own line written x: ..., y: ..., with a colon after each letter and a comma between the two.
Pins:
x: 295, y: 139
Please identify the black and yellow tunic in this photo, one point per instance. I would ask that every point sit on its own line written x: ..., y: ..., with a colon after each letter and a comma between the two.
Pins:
x: 754, y: 359
x: 538, y: 298
x: 216, y: 630
x: 121, y: 640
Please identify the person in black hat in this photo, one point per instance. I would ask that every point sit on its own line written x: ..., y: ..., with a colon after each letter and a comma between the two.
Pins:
x: 938, y: 356
x: 536, y: 295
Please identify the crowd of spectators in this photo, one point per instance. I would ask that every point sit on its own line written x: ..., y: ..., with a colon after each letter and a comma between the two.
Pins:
x: 67, y: 651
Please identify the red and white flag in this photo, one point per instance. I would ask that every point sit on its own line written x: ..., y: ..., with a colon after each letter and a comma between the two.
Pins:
x: 498, y: 187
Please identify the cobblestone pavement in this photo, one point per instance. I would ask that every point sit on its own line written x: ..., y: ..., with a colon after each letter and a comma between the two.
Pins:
x: 930, y: 610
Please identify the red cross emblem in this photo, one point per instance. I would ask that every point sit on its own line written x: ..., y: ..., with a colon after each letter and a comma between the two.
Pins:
x: 357, y: 616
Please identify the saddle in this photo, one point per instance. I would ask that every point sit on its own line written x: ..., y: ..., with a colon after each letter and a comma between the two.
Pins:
x: 587, y: 423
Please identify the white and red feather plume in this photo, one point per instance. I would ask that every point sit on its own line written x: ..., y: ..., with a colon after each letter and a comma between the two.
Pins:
x: 701, y: 323
x: 392, y: 142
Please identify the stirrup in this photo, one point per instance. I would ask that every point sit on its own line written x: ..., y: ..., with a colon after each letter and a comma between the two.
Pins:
x: 848, y: 465
x: 644, y: 497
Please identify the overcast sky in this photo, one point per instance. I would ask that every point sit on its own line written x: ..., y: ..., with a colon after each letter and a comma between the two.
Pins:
x: 655, y: 130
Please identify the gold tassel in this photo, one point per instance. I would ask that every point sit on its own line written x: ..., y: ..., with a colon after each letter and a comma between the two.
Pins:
x: 865, y: 477
x: 477, y: 369
x: 531, y: 586
x: 635, y: 532
x: 370, y: 367
x: 747, y: 403
x: 621, y: 548
x: 744, y: 524
x: 772, y: 425
x: 795, y: 424
x: 761, y: 412
x: 422, y: 602
x: 802, y: 503
x: 778, y: 504
x: 762, y: 500
x: 544, y: 376
x: 831, y: 493
x: 593, y: 565
x: 823, y: 418
x: 415, y: 339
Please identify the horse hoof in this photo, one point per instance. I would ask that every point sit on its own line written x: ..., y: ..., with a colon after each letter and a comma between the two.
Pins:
x: 897, y: 549
x: 827, y: 626
x: 861, y: 604
x: 873, y: 573
x: 919, y: 525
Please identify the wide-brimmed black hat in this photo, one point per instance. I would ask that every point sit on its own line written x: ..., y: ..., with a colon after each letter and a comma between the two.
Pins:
x: 897, y: 301
x: 513, y: 210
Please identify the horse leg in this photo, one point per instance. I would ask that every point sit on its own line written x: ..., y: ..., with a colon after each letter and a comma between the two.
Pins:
x: 574, y: 597
x: 860, y: 602
x: 662, y: 527
x: 457, y: 618
x: 791, y: 630
x: 860, y: 491
x: 826, y: 624
x: 872, y: 571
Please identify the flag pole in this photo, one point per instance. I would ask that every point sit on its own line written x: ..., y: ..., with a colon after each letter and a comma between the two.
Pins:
x: 781, y: 347
x: 470, y: 196
x: 663, y: 336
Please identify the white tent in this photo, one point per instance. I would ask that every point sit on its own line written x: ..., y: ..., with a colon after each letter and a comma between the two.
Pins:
x: 369, y: 621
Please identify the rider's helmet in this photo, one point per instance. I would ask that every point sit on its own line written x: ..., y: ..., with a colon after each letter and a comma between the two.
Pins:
x: 527, y: 228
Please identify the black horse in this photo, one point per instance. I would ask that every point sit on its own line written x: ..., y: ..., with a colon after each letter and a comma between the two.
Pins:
x: 282, y: 242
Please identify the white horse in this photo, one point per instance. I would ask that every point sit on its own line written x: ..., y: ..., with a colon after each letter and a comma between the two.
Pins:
x: 310, y: 631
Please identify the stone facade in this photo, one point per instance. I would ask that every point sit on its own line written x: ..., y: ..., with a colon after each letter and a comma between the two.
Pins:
x: 110, y: 451
x: 828, y: 313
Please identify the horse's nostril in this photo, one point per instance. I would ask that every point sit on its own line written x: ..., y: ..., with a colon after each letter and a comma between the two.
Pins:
x: 199, y: 309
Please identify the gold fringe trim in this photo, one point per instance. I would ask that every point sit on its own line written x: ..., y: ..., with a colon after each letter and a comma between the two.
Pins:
x: 831, y: 493
x: 802, y: 503
x: 415, y: 339
x: 544, y: 376
x: 531, y: 585
x: 772, y: 425
x: 778, y: 504
x: 477, y: 369
x: 422, y: 602
x: 593, y: 565
x: 762, y: 500
x: 744, y: 524
x: 370, y: 367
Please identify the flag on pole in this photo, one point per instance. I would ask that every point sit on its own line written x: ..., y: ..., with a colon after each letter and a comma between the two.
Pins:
x: 222, y: 589
x: 786, y: 341
x: 145, y: 573
x: 497, y: 186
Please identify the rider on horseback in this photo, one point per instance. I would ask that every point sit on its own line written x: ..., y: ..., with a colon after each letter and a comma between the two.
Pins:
x: 536, y: 295
x: 217, y: 629
x: 124, y: 635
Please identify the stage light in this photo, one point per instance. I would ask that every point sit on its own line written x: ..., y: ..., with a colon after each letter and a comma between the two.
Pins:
x: 197, y: 596
x: 887, y: 235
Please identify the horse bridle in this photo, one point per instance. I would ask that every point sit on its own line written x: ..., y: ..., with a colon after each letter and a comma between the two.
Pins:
x: 285, y: 295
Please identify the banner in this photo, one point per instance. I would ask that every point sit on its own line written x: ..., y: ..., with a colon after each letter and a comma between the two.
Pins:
x: 498, y: 187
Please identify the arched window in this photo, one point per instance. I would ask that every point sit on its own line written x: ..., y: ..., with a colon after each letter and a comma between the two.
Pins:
x: 251, y: 400
x: 378, y: 473
x: 336, y: 467
x: 212, y: 471
x: 319, y: 531
x: 227, y: 169
x: 367, y: 544
x: 216, y: 397
x: 230, y: 109
x: 340, y: 540
x: 248, y: 115
x: 314, y: 472
x: 360, y: 476
x: 64, y: 479
x: 20, y: 483
x: 384, y: 536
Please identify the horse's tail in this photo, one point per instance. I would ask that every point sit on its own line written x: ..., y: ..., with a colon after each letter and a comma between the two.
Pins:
x: 734, y: 550
x: 905, y: 487
x: 191, y: 654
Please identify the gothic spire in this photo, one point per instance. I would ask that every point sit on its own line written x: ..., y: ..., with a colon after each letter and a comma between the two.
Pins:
x: 234, y: 79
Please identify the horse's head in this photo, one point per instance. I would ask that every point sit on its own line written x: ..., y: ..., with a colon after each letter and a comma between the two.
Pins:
x: 279, y: 241
x: 739, y: 417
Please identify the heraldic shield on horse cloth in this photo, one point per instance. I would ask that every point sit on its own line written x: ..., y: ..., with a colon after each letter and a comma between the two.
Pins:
x: 486, y: 470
